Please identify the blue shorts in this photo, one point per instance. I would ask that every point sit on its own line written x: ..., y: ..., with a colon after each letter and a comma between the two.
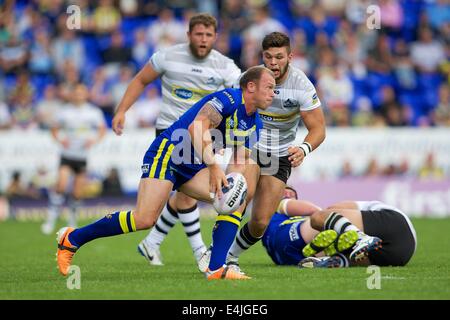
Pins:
x: 283, y: 240
x: 158, y: 164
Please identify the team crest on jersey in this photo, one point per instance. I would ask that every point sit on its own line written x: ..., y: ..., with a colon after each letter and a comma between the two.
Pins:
x: 211, y: 80
x: 145, y: 168
x: 314, y: 98
x: 290, y: 103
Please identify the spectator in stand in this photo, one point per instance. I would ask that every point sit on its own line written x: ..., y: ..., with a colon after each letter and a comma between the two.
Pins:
x: 106, y: 17
x: 262, y: 24
x: 299, y: 53
x: 234, y: 16
x: 23, y: 114
x: 100, y: 92
x: 373, y: 169
x: 141, y: 48
x: 116, y: 55
x: 250, y: 53
x: 403, y: 66
x: 68, y: 80
x: 41, y: 182
x: 429, y: 169
x: 145, y: 111
x: 13, y: 55
x: 356, y: 11
x: 363, y: 116
x: 5, y: 117
x: 22, y: 87
x: 111, y: 185
x: 438, y: 13
x: 350, y: 50
x: 427, y: 53
x: 441, y: 114
x: 67, y: 47
x: 48, y: 107
x: 391, y: 13
x: 336, y: 90
x: 17, y: 189
x: 390, y: 109
x: 347, y: 170
x: 379, y: 58
x: 119, y: 88
x: 166, y: 30
x: 40, y: 54
x: 129, y: 8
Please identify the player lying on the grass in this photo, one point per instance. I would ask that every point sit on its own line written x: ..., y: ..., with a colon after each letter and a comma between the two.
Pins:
x: 380, y: 220
x: 233, y: 113
x: 341, y: 232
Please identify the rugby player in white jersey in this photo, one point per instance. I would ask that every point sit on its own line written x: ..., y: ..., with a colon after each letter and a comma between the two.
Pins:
x: 275, y: 154
x: 77, y: 127
x: 188, y: 72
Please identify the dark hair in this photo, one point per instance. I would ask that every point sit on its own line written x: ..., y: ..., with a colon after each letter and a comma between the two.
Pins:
x: 202, y: 18
x: 292, y: 189
x: 277, y: 40
x: 253, y: 74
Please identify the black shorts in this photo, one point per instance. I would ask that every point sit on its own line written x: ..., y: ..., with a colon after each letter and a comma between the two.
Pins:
x: 398, y: 241
x: 77, y: 166
x: 278, y: 167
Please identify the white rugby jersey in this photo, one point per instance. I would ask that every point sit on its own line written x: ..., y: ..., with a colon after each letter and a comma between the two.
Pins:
x: 186, y: 79
x: 78, y: 124
x: 295, y: 94
x: 378, y: 205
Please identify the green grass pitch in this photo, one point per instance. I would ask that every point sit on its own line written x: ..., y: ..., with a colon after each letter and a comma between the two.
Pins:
x: 112, y: 269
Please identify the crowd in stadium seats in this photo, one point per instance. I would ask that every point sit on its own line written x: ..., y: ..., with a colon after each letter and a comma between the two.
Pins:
x: 398, y: 75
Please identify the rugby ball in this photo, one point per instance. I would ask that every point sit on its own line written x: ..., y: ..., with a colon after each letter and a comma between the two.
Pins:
x: 233, y: 196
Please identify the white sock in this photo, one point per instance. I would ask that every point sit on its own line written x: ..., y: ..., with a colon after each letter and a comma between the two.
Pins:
x: 190, y: 218
x: 243, y: 241
x: 165, y: 223
x: 339, y: 224
x: 74, y: 206
x: 56, y: 201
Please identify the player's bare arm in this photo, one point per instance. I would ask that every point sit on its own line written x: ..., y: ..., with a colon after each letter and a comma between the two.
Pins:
x: 134, y: 90
x: 314, y: 121
x: 55, y: 134
x: 292, y: 207
x: 208, y: 118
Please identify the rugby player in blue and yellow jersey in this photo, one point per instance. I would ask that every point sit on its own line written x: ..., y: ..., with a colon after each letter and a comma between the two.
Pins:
x: 168, y: 165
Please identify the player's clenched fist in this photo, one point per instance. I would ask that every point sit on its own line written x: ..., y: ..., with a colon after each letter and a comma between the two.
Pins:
x: 118, y: 123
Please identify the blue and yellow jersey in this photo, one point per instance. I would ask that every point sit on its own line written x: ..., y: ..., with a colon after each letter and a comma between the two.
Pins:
x: 236, y: 127
x: 283, y: 240
x: 166, y: 158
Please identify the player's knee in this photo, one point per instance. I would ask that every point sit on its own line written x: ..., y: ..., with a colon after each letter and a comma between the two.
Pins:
x: 258, y: 226
x: 144, y: 220
x: 183, y: 201
x: 317, y: 220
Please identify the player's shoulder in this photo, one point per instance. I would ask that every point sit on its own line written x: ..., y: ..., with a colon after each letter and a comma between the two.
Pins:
x: 174, y: 50
x: 231, y: 95
x: 220, y: 60
x: 298, y: 80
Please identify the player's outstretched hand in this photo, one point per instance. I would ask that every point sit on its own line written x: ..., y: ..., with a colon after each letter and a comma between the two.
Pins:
x: 217, y: 178
x: 118, y: 123
x: 296, y: 156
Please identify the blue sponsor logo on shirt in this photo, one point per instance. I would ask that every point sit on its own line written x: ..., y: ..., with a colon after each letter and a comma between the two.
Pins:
x: 183, y: 93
